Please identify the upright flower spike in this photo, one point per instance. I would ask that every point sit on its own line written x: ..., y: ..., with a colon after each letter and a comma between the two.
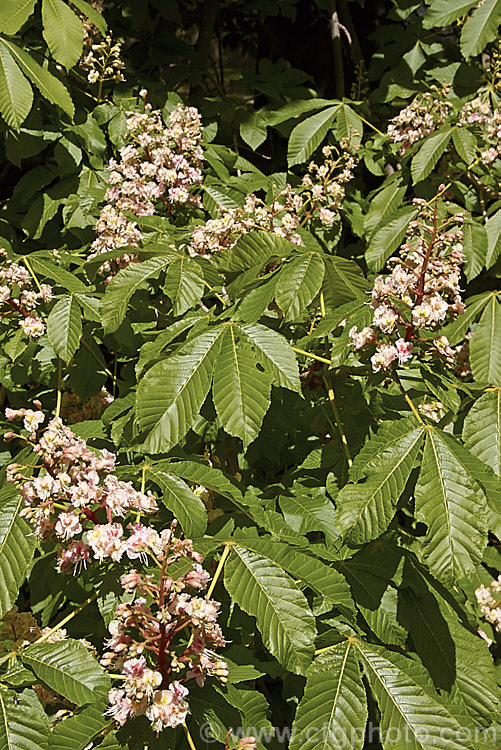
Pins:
x: 149, y: 643
x: 159, y: 165
x: 422, y: 292
x: 19, y: 298
x: 317, y: 198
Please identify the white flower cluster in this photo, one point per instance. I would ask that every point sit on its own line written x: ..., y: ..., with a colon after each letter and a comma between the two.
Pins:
x: 421, y: 292
x: 103, y: 62
x: 19, y: 299
x: 159, y: 165
x: 487, y: 123
x: 420, y: 118
x: 489, y: 599
x: 319, y: 196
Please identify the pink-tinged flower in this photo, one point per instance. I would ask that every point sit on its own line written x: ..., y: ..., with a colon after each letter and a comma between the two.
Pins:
x: 143, y: 539
x: 131, y: 580
x: 247, y: 743
x: 32, y: 326
x: 11, y: 414
x: 384, y: 356
x: 121, y: 706
x: 68, y: 525
x: 198, y: 578
x: 366, y: 336
x: 106, y: 541
x: 169, y: 709
x: 404, y: 350
x: 33, y: 420
x: 385, y: 318
x: 73, y: 558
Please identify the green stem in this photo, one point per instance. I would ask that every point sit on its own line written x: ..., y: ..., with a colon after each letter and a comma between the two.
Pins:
x: 337, y: 417
x: 66, y: 619
x: 312, y: 356
x: 408, y: 399
x: 219, y: 568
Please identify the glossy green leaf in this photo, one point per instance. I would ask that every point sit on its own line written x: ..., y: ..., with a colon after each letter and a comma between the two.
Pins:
x: 299, y: 282
x: 481, y: 28
x: 14, y: 14
x: 333, y: 710
x: 17, y: 546
x: 452, y: 505
x: 184, y: 284
x: 482, y: 429
x: 261, y: 588
x: 64, y: 327
x: 16, y: 95
x: 387, y: 238
x: 365, y: 508
x: 428, y: 155
x: 309, y: 134
x: 445, y: 12
x: 180, y: 499
x: 485, y: 345
x: 413, y: 716
x: 241, y: 391
x: 122, y: 286
x: 63, y: 32
x: 172, y: 392
x: 68, y: 668
x: 275, y: 355
x: 49, y: 86
x: 78, y: 731
x: 24, y: 724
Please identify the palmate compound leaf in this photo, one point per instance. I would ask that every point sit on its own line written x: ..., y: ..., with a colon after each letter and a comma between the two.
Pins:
x: 68, y: 668
x: 17, y: 546
x: 241, y: 391
x: 452, y: 505
x: 24, y: 724
x: 49, y: 86
x: 299, y: 282
x: 482, y: 429
x: 263, y: 589
x: 364, y: 509
x: 122, y: 286
x: 333, y: 711
x: 457, y: 659
x: 170, y: 395
x: 413, y: 715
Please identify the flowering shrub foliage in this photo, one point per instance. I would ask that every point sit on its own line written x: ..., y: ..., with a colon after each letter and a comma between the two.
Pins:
x: 250, y: 376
